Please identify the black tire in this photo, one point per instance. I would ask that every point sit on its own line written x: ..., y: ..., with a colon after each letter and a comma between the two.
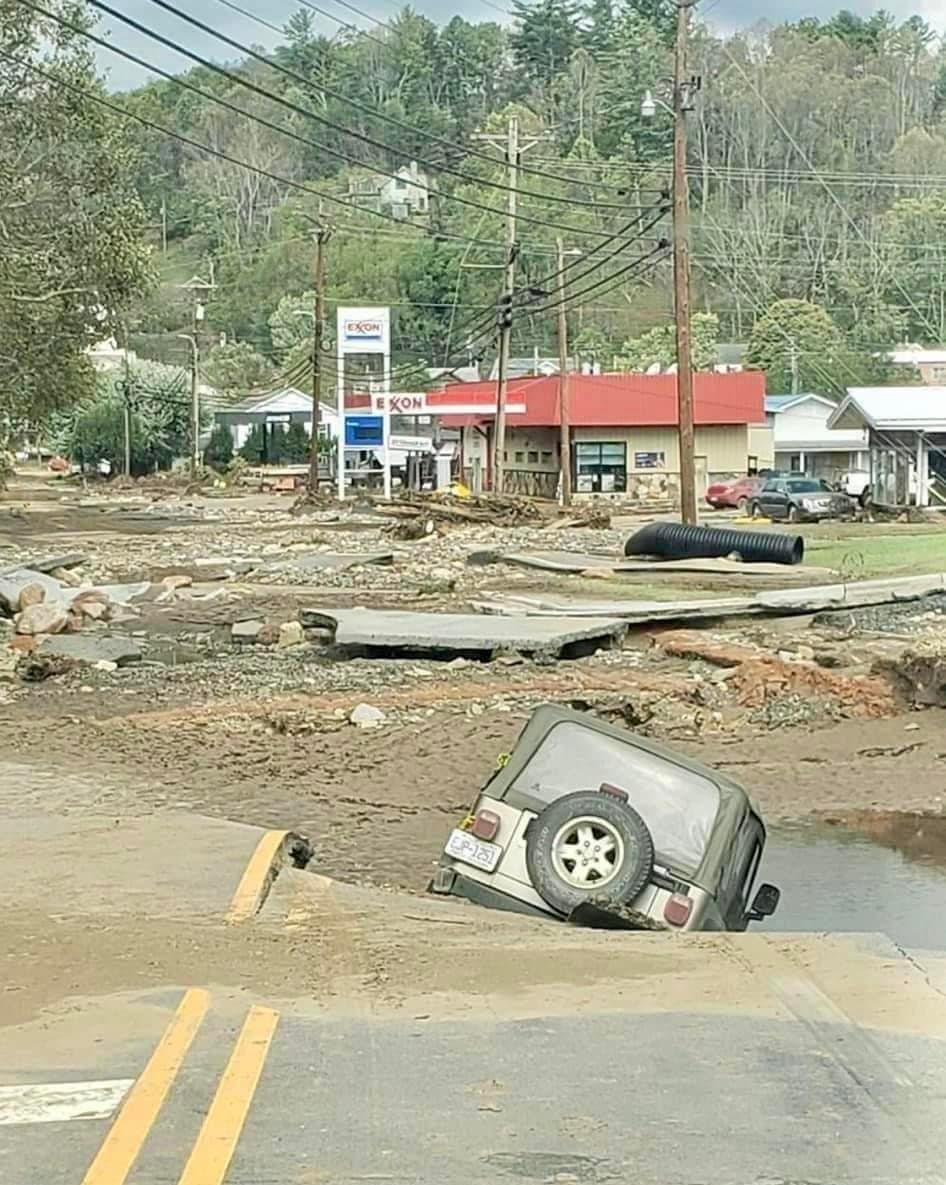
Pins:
x: 741, y: 504
x: 632, y: 872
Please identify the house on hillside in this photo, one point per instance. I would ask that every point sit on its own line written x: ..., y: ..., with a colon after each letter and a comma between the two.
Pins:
x: 624, y: 434
x: 930, y: 363
x: 803, y: 441
x: 401, y: 196
x: 906, y: 433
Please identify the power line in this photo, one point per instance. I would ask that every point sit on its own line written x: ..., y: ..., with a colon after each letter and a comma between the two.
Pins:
x: 221, y: 155
x: 363, y: 137
x: 357, y: 105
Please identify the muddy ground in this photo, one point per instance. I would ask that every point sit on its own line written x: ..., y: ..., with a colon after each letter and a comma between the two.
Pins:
x: 262, y: 735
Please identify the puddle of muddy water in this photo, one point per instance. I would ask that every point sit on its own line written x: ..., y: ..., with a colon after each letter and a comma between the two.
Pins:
x: 884, y: 873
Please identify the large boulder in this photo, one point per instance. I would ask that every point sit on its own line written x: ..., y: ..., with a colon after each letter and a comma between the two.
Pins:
x: 16, y: 580
x: 49, y: 617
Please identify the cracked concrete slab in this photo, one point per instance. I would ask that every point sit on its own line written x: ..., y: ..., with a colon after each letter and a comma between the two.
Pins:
x: 458, y: 633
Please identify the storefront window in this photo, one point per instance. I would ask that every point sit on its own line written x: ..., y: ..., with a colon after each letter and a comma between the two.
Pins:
x: 600, y: 468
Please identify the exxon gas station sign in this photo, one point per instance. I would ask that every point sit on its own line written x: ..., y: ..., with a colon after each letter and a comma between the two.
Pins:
x: 363, y: 329
x: 403, y: 403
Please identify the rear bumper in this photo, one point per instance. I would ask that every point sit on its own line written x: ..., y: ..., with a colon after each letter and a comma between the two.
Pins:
x: 448, y: 882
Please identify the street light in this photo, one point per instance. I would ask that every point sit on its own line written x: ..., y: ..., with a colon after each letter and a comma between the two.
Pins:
x: 649, y: 105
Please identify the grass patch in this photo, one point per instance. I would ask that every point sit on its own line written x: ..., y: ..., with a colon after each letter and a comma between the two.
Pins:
x: 863, y: 556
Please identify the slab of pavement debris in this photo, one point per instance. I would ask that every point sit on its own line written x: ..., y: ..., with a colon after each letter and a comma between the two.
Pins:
x: 49, y: 563
x: 332, y: 561
x: 90, y: 649
x: 13, y: 581
x: 570, y: 562
x: 459, y: 632
x: 777, y: 602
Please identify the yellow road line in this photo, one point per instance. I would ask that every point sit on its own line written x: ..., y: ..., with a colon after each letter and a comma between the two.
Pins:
x: 211, y: 1155
x: 121, y: 1146
x: 256, y: 878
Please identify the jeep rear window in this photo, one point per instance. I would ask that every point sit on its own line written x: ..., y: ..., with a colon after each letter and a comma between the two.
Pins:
x: 678, y: 806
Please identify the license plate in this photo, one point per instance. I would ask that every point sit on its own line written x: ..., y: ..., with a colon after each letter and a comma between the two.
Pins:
x: 466, y: 847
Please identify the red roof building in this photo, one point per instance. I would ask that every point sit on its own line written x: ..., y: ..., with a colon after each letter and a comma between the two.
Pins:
x: 624, y: 439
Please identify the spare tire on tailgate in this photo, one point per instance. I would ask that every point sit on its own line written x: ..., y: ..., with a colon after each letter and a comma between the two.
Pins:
x: 588, y: 845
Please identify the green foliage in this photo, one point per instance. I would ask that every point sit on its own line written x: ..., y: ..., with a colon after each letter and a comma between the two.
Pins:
x: 295, y: 445
x: 800, y: 348
x: 815, y: 148
x: 254, y: 445
x: 658, y: 346
x: 545, y: 37
x: 219, y: 451
x: 160, y: 420
x: 272, y: 446
x: 71, y: 220
x: 237, y: 367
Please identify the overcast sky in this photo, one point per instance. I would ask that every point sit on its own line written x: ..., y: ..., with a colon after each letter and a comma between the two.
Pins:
x: 122, y: 74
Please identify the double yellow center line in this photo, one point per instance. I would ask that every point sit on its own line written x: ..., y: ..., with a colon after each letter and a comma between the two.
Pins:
x: 211, y: 1155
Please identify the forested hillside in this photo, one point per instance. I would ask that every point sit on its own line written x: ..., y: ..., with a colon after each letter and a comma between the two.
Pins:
x: 817, y: 170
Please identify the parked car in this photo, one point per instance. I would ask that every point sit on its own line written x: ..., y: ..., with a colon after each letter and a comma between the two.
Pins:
x: 737, y: 493
x: 586, y: 820
x: 800, y: 499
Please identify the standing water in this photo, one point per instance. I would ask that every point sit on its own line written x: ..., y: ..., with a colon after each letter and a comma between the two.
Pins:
x: 866, y: 872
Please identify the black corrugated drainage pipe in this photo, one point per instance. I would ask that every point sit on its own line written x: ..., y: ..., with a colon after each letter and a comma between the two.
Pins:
x: 674, y: 541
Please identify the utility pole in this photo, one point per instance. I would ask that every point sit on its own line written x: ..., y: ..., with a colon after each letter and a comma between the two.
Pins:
x: 322, y: 236
x: 195, y: 397
x: 127, y: 409
x: 200, y: 290
x: 514, y: 149
x: 505, y: 317
x: 565, y: 444
x: 683, y: 88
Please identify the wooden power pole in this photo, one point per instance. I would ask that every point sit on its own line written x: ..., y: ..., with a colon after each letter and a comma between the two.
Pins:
x: 565, y: 443
x: 505, y: 312
x: 682, y: 91
x: 322, y: 236
x: 514, y: 149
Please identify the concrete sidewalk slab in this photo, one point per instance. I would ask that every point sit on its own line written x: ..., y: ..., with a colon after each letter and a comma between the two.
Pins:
x: 461, y: 633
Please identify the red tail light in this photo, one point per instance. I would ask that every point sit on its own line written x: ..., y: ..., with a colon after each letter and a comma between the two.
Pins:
x: 486, y: 825
x: 613, y: 791
x: 677, y: 910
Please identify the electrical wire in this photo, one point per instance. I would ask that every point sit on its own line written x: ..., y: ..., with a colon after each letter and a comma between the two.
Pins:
x: 466, y: 150
x: 221, y: 155
x: 380, y: 145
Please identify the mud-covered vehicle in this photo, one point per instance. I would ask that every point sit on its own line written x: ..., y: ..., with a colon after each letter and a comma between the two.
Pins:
x: 591, y: 823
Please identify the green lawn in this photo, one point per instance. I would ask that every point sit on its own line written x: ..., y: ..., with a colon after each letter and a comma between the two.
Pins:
x: 863, y: 556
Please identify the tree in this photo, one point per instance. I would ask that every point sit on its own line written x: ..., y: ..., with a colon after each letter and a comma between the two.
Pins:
x: 800, y: 348
x: 255, y: 445
x: 658, y: 346
x: 296, y: 444
x: 236, y: 366
x: 219, y: 451
x: 160, y: 420
x: 73, y: 253
x: 545, y: 37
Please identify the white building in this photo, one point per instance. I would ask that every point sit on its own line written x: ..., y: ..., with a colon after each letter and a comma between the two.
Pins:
x: 276, y: 410
x: 803, y: 441
x: 906, y: 429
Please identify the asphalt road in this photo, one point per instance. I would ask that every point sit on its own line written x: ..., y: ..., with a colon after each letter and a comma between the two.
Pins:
x: 266, y: 1095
